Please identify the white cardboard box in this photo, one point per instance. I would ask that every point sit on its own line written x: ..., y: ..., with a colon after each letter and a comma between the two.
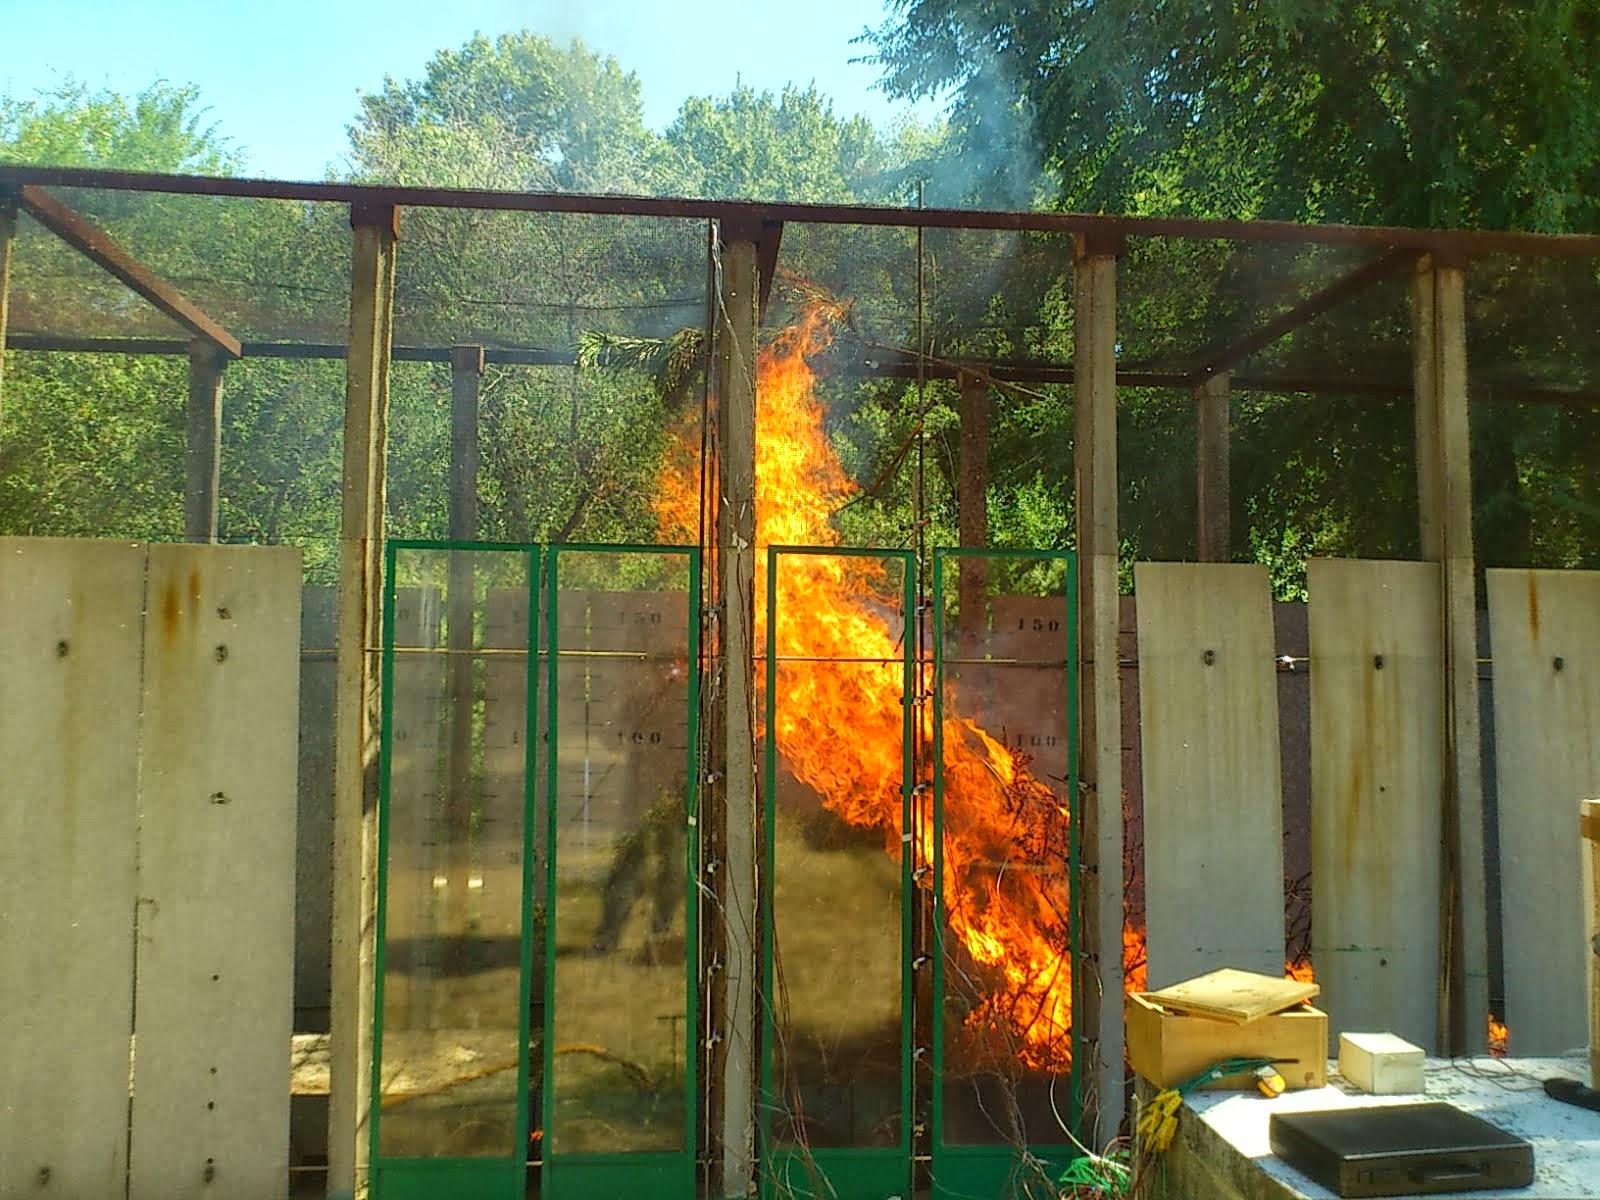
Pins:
x: 1380, y: 1063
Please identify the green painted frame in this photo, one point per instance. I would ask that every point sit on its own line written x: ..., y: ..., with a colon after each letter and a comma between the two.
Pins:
x: 964, y: 1171
x: 448, y: 1178
x: 866, y: 1173
x: 616, y: 1176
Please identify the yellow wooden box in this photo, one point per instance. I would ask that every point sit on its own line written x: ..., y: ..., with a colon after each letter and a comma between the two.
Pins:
x: 1169, y: 1048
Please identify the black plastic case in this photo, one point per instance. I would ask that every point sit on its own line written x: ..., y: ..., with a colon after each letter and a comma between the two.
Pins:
x: 1401, y: 1150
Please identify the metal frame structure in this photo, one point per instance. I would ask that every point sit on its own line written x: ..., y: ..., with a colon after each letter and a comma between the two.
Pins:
x: 672, y: 1176
x: 969, y: 1170
x: 855, y: 1173
x: 668, y: 1175
x: 418, y: 1178
x: 749, y: 234
x: 1398, y: 247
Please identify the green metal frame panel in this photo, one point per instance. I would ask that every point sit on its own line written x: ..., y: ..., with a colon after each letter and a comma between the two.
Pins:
x: 670, y: 1176
x: 447, y: 1178
x: 997, y: 1172
x: 842, y: 1173
x: 618, y: 1176
x: 958, y: 1170
x: 838, y: 1174
x: 963, y: 1170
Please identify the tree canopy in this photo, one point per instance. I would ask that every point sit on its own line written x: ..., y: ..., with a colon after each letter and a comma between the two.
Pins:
x: 1435, y: 113
x: 163, y: 128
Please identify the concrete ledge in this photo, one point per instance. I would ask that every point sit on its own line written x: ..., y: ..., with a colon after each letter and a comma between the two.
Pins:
x: 1222, y: 1149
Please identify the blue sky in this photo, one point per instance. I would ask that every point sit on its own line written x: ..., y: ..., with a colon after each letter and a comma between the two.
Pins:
x: 281, y: 77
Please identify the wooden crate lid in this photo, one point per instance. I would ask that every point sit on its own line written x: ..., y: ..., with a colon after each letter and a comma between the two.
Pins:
x: 1232, y: 995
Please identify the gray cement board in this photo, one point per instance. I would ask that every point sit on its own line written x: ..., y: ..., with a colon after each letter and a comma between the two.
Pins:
x: 1377, y: 763
x: 1213, y: 806
x: 70, y: 630
x: 215, y: 956
x: 1545, y: 633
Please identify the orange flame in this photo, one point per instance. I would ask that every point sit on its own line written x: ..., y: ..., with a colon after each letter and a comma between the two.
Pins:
x: 1499, y: 1037
x: 839, y: 727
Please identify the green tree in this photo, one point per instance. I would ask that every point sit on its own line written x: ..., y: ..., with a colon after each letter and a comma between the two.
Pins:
x: 756, y: 146
x: 163, y: 128
x: 93, y: 444
x: 1428, y: 114
x: 518, y: 112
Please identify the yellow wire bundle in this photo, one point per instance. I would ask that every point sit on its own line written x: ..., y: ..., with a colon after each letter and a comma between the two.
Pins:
x: 1158, y: 1123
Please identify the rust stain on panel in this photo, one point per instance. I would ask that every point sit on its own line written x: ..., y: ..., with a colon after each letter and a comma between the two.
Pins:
x: 1533, y: 605
x: 171, y: 611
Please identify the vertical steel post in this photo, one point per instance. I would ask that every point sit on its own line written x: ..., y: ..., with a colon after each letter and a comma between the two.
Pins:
x: 466, y: 373
x: 736, y: 806
x: 8, y: 236
x: 203, y: 440
x: 466, y: 370
x: 1099, y: 998
x: 357, y: 699
x: 1214, y: 541
x: 1444, y: 483
x: 1589, y: 829
x: 973, y: 510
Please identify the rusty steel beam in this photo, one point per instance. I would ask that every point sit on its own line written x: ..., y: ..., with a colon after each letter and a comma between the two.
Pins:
x: 766, y: 264
x: 1455, y: 241
x: 90, y: 241
x: 1483, y: 392
x: 1221, y: 361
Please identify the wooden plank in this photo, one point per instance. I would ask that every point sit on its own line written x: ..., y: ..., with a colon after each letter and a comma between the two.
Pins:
x: 69, y: 709
x: 1544, y: 628
x: 93, y: 243
x: 1377, y: 774
x: 1213, y: 795
x: 1234, y: 996
x: 1021, y: 697
x: 461, y: 604
x: 356, y: 714
x: 1589, y: 824
x: 1100, y: 686
x: 1469, y: 944
x: 215, y: 958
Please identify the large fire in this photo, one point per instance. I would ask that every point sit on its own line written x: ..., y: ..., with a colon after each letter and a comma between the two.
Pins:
x: 839, y: 723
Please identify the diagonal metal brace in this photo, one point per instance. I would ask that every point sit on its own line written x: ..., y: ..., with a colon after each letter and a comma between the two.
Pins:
x: 95, y: 245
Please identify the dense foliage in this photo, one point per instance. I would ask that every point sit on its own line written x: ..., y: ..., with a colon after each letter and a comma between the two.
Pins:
x: 1439, y: 113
